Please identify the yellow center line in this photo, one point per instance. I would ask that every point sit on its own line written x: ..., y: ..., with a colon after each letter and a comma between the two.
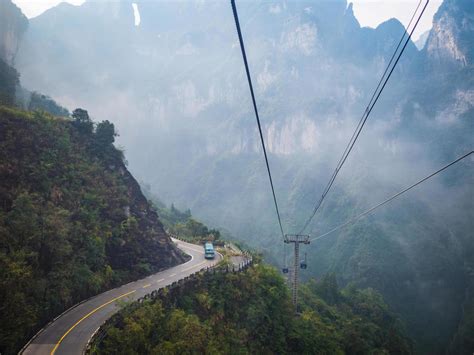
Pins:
x: 86, y: 316
x: 194, y: 266
x: 172, y: 275
x: 147, y: 285
x: 160, y: 280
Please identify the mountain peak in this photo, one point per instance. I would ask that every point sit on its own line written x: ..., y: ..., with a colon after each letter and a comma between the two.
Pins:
x: 450, y: 41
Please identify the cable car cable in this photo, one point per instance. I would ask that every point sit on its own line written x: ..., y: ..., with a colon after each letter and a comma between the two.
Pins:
x: 363, y: 214
x: 366, y: 114
x: 339, y: 164
x: 244, y: 56
x: 364, y: 118
x: 405, y: 31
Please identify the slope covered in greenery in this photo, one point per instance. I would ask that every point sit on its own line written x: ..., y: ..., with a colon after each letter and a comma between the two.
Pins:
x: 182, y: 223
x: 73, y: 221
x: 251, y: 313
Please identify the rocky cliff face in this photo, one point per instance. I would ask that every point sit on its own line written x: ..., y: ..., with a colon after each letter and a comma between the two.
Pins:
x: 450, y: 40
x: 12, y: 26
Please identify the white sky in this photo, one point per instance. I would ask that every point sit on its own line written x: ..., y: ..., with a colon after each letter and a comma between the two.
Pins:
x: 368, y: 12
x: 373, y: 12
x: 32, y: 8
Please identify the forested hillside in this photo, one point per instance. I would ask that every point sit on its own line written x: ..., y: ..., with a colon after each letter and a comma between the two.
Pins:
x: 251, y: 313
x: 73, y: 221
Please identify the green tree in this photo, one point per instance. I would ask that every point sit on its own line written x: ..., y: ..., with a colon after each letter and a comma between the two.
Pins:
x: 82, y: 121
x: 195, y: 228
x: 45, y: 103
x: 215, y: 234
x: 327, y: 289
x: 105, y: 133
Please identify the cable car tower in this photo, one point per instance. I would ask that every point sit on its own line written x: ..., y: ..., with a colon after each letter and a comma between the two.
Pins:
x: 296, y: 239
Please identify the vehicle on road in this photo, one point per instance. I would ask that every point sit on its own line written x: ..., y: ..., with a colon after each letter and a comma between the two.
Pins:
x: 209, y: 252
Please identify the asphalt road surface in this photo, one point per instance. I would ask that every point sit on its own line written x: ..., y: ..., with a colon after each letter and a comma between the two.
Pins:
x: 70, y: 332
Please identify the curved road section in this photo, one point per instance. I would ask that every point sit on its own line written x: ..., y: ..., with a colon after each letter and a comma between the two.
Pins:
x: 70, y: 332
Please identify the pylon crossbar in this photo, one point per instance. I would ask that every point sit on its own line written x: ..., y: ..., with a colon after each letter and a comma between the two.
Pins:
x: 297, y: 238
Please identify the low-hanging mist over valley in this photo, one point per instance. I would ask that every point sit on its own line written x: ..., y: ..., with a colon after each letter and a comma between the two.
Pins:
x: 169, y: 76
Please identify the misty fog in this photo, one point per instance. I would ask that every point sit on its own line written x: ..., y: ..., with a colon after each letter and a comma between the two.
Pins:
x: 175, y: 87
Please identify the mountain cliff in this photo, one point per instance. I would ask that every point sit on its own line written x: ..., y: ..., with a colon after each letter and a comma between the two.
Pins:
x: 13, y: 25
x: 450, y: 40
x: 73, y: 221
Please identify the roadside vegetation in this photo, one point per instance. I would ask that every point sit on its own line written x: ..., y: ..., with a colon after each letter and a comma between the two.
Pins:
x: 182, y: 224
x: 251, y: 313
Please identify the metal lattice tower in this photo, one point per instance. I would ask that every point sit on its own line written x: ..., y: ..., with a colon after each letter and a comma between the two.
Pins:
x: 297, y: 239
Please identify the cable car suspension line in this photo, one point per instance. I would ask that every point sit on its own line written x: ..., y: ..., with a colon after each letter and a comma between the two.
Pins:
x: 244, y: 56
x: 363, y: 214
x: 376, y: 95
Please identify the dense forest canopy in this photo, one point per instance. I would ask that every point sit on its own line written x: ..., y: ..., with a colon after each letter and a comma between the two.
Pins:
x: 251, y: 313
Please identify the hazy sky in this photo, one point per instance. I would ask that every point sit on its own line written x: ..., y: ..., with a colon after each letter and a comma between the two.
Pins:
x: 373, y: 12
x: 368, y: 12
x: 32, y: 8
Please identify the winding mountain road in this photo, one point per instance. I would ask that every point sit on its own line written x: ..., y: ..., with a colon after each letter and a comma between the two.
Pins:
x: 71, y: 331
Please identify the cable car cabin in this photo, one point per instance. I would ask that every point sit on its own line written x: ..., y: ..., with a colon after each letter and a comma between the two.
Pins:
x: 209, y: 251
x: 303, y: 263
x: 285, y: 270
